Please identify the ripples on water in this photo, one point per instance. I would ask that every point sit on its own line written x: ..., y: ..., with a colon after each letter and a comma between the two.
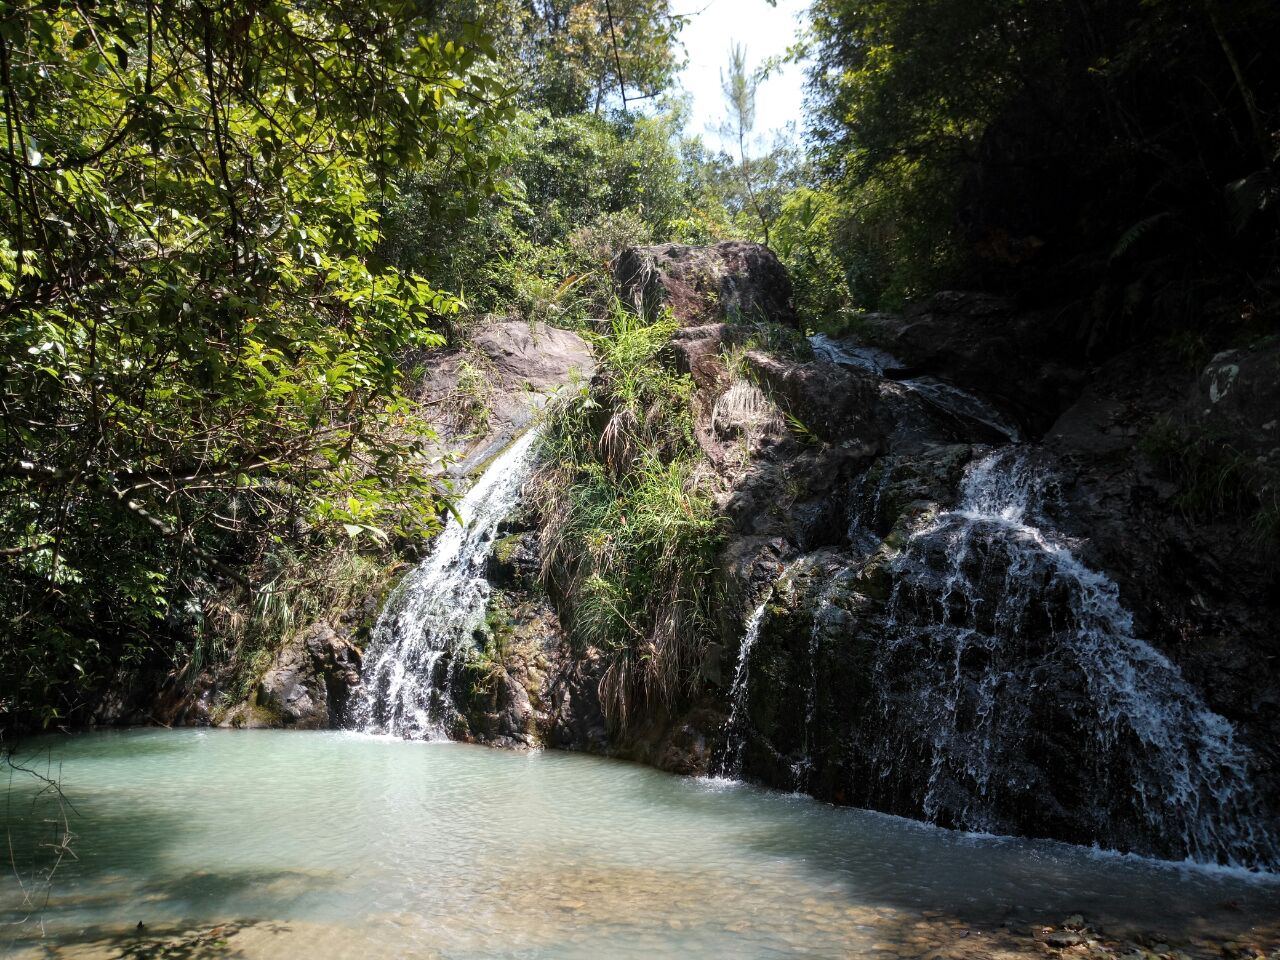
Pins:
x: 343, y: 845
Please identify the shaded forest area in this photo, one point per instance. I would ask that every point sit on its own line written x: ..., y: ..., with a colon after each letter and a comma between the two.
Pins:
x: 230, y: 233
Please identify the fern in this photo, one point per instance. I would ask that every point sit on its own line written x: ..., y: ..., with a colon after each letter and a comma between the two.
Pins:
x: 1139, y: 232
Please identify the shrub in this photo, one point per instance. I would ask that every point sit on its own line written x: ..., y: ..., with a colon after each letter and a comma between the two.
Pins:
x: 630, y: 532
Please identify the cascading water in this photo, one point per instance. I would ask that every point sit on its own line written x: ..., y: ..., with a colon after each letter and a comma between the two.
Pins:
x: 730, y: 762
x: 999, y: 640
x: 802, y: 769
x: 433, y: 614
x: 871, y: 359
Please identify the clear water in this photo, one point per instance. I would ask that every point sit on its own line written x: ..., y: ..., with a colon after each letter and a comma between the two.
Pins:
x: 343, y: 845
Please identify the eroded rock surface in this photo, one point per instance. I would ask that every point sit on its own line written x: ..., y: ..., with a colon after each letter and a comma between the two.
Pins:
x: 737, y: 281
x: 307, y: 685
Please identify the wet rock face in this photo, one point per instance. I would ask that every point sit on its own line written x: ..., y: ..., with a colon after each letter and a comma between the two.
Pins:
x: 509, y: 697
x: 308, y: 684
x: 734, y: 281
x: 952, y: 660
x: 1202, y: 579
x: 477, y: 397
x: 927, y: 645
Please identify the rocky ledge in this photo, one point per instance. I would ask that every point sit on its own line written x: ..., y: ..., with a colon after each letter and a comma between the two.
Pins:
x: 956, y: 533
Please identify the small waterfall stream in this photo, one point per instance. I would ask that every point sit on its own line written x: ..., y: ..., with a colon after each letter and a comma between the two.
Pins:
x: 1018, y: 637
x: 434, y: 612
x: 730, y: 763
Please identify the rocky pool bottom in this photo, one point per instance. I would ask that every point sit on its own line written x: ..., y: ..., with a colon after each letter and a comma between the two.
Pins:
x: 263, y: 844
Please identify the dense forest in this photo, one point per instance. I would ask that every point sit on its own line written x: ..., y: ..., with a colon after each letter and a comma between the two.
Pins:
x: 230, y: 234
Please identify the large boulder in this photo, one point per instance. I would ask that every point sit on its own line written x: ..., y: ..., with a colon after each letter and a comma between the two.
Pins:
x: 306, y: 686
x: 482, y: 393
x: 736, y: 281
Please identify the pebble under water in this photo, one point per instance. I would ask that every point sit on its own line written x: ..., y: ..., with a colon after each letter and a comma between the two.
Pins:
x: 265, y: 844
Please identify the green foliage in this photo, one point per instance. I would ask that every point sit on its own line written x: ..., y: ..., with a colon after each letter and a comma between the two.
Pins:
x: 630, y: 535
x: 1214, y: 480
x: 901, y: 103
x: 239, y: 629
x: 565, y: 55
x: 996, y: 141
x: 575, y: 191
x: 805, y: 237
x: 200, y: 344
x: 758, y: 179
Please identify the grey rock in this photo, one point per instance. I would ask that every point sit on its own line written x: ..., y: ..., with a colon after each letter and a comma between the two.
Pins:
x: 307, y: 685
x: 736, y: 281
x: 1061, y: 939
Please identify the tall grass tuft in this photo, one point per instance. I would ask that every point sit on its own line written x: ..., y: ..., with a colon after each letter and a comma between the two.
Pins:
x: 630, y: 533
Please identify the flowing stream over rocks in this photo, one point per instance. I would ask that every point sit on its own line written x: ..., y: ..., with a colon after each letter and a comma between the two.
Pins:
x: 944, y: 653
x: 945, y: 397
x: 985, y: 589
x: 433, y: 614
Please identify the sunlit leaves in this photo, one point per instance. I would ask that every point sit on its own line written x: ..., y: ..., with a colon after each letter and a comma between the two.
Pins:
x: 200, y: 342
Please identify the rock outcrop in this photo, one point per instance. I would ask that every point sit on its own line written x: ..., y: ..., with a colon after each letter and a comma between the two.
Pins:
x: 308, y: 685
x: 737, y: 281
x: 479, y: 395
x: 926, y: 617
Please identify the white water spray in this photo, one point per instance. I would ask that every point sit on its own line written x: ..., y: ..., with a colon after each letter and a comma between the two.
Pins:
x: 434, y: 613
x: 974, y: 586
x: 730, y: 764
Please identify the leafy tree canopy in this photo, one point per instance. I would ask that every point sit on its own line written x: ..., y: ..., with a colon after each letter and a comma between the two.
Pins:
x: 200, y: 344
x: 573, y: 56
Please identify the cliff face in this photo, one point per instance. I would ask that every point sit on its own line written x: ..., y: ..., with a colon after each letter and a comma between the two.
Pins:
x: 973, y: 575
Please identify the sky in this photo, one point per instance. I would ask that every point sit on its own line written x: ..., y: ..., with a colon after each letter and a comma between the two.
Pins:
x: 764, y: 31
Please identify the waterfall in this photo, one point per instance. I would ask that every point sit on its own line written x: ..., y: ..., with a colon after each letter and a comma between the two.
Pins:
x: 802, y: 769
x: 1009, y: 642
x: 433, y: 614
x: 736, y: 727
x: 961, y: 404
x: 872, y: 359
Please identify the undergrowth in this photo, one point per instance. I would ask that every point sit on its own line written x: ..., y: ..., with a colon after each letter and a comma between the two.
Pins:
x: 1214, y: 480
x: 630, y: 534
x: 238, y: 632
